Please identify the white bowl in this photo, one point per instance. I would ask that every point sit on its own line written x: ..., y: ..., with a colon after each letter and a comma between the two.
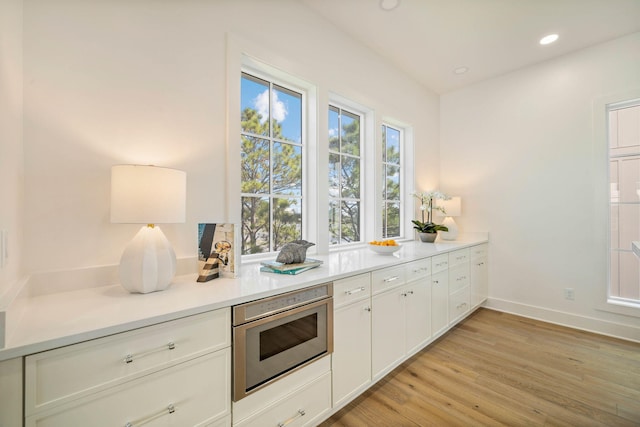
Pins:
x: 384, y: 250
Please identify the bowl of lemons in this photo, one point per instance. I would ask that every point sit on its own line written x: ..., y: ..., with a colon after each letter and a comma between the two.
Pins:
x: 384, y: 247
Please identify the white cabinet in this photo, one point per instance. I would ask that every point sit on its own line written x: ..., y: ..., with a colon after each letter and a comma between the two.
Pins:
x: 401, y: 318
x: 479, y: 275
x: 11, y: 392
x: 388, y: 334
x: 302, y: 407
x: 192, y: 393
x: 178, y: 370
x: 439, y: 302
x: 459, y: 280
x: 418, y: 314
x: 302, y: 398
x: 439, y: 294
x: 351, y: 358
x: 417, y: 293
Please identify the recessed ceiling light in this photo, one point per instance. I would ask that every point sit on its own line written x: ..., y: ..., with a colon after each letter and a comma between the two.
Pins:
x: 461, y: 70
x: 389, y: 4
x: 548, y: 39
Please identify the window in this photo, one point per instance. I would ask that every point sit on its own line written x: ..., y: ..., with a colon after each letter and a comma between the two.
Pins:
x: 271, y: 164
x: 291, y: 186
x: 392, y: 186
x: 624, y: 184
x: 344, y: 176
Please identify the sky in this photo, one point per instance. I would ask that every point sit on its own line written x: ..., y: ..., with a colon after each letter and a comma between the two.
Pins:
x: 286, y: 106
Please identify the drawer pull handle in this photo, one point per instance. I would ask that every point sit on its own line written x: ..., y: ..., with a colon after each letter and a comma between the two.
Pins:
x: 367, y: 309
x: 166, y: 411
x: 482, y: 263
x: 355, y: 291
x: 404, y: 294
x: 436, y: 282
x: 418, y: 270
x: 129, y: 357
x: 300, y: 413
x: 391, y: 279
x: 461, y: 278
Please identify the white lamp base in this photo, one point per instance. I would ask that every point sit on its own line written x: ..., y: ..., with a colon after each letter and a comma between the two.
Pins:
x: 148, y: 262
x: 452, y: 234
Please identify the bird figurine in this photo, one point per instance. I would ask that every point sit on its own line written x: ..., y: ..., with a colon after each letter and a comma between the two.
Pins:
x: 294, y: 252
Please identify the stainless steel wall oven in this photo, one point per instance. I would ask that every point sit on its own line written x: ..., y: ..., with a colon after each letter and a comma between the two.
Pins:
x: 275, y: 336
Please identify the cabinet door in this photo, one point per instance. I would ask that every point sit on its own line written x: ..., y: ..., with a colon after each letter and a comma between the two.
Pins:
x: 351, y: 358
x: 418, y: 313
x: 439, y: 302
x: 388, y: 330
x: 479, y: 281
x: 11, y: 392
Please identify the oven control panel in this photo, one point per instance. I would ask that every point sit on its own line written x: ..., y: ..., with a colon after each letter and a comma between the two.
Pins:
x: 254, y: 310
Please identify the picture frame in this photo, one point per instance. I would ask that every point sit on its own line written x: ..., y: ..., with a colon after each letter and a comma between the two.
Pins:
x: 218, y: 251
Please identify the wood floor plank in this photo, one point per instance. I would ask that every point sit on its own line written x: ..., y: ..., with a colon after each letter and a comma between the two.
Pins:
x: 497, y: 369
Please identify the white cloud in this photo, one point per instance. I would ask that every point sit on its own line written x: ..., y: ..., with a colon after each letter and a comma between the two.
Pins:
x: 261, y: 103
x: 333, y: 132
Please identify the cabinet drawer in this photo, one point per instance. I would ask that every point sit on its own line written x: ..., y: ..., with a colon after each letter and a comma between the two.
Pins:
x: 351, y: 289
x: 459, y: 304
x: 278, y: 391
x: 417, y: 269
x: 387, y: 278
x: 197, y: 390
x: 458, y: 277
x: 439, y: 263
x: 479, y: 251
x: 461, y: 256
x: 303, y: 407
x: 59, y: 375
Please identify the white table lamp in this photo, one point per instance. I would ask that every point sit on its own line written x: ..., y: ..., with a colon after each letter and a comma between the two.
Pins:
x: 147, y: 195
x: 452, y: 208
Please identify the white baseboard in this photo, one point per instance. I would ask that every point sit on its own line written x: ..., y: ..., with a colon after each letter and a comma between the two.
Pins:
x: 589, y: 324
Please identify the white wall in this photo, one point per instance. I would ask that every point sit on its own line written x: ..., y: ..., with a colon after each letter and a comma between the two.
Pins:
x: 520, y: 150
x: 144, y: 81
x: 11, y: 159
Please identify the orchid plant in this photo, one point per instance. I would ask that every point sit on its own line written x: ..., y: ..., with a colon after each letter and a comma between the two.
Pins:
x: 426, y: 199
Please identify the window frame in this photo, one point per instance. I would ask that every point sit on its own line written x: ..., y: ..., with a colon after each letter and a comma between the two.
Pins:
x: 602, y: 196
x: 308, y: 91
x: 342, y: 106
x: 402, y: 185
x: 616, y: 299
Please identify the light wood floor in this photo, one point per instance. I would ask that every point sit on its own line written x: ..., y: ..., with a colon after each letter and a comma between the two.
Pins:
x: 499, y: 369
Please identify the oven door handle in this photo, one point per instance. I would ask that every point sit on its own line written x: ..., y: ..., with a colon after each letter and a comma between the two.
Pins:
x: 301, y: 413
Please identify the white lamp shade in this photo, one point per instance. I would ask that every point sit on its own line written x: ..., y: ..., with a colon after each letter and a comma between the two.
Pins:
x: 147, y: 195
x: 452, y: 207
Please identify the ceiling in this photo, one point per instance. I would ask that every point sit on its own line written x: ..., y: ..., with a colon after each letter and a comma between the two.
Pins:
x: 429, y: 39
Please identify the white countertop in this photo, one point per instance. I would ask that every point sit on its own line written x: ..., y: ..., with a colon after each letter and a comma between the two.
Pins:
x: 58, y: 319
